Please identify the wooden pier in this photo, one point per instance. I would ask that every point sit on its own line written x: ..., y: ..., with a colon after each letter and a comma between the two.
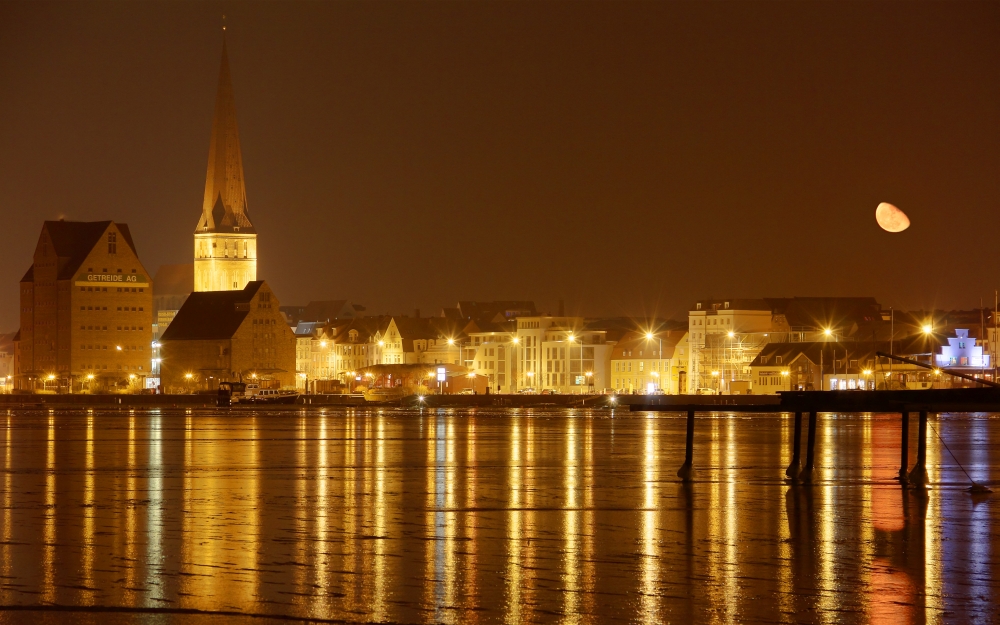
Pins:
x: 814, y: 402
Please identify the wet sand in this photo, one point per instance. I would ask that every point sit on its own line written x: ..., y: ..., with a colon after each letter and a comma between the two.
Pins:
x: 198, y: 516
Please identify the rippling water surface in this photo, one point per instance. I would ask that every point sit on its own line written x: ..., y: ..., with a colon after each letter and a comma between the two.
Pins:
x: 488, y: 516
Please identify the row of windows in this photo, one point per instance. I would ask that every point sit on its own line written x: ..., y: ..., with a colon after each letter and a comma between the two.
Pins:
x: 655, y: 365
x: 120, y: 289
x: 105, y: 270
x: 105, y: 367
x: 127, y: 348
x: 120, y: 308
x: 122, y: 328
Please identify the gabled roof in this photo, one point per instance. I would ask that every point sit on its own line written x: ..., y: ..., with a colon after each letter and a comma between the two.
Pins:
x: 211, y: 315
x: 74, y: 240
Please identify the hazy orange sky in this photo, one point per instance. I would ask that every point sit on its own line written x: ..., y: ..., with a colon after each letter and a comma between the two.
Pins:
x: 626, y: 157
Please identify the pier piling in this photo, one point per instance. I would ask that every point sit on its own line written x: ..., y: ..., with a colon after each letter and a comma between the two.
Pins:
x: 793, y: 469
x: 687, y: 470
x: 806, y: 475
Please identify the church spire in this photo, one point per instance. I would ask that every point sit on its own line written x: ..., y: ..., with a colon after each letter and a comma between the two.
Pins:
x: 225, y: 205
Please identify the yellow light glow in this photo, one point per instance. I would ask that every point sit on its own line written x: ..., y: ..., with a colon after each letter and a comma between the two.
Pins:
x: 649, y: 336
x: 322, y: 343
x: 118, y: 347
x: 52, y: 377
x: 827, y: 332
x: 589, y: 373
x: 131, y: 376
x: 189, y: 375
x: 784, y: 373
x: 927, y: 328
x: 715, y: 373
x: 381, y: 343
x: 90, y: 376
x: 867, y: 371
x: 515, y: 340
x: 571, y: 338
x: 451, y: 341
x: 731, y: 334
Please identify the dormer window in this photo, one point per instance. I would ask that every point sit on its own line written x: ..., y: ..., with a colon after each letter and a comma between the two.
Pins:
x: 727, y: 305
x: 112, y: 243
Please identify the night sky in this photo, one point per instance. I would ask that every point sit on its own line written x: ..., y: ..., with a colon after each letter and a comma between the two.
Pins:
x: 625, y: 157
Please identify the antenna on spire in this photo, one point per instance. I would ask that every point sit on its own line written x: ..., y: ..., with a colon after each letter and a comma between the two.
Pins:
x: 223, y: 22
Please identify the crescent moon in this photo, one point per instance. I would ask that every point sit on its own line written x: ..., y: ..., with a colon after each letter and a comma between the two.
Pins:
x: 890, y: 218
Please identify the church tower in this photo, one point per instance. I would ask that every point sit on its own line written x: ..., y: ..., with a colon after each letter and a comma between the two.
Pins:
x: 225, y: 242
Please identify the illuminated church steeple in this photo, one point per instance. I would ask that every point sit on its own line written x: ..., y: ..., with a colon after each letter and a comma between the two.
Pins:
x: 225, y: 242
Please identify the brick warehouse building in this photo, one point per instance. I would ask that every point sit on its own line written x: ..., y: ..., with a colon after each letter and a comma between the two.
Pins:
x: 86, y: 311
x: 228, y: 335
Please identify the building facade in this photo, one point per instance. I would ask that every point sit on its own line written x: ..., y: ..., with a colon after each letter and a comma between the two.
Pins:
x: 86, y: 311
x: 225, y: 242
x: 228, y: 335
x: 650, y: 363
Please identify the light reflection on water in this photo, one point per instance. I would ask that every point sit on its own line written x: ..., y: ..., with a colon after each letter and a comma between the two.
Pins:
x: 486, y: 516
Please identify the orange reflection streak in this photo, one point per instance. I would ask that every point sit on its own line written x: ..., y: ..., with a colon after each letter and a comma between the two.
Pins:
x: 512, y: 592
x: 301, y: 528
x: 321, y: 554
x: 450, y: 520
x: 589, y: 574
x: 785, y: 580
x: 88, y: 513
x: 130, y: 528
x: 471, y: 588
x: 189, y: 535
x: 380, y: 587
x: 570, y: 530
x: 48, y: 559
x: 827, y: 602
x: 650, y: 607
x: 8, y: 500
x: 934, y: 606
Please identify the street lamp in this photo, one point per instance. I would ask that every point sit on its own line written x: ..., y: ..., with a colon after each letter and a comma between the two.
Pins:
x: 572, y: 339
x: 659, y: 355
x: 784, y: 374
x: 927, y: 328
x: 590, y: 380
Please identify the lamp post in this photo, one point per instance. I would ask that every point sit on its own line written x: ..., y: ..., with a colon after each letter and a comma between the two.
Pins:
x: 531, y: 378
x: 514, y: 353
x: 659, y: 356
x: 590, y: 380
x: 572, y: 339
x: 788, y: 380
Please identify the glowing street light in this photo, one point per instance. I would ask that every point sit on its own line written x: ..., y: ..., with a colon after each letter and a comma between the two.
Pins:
x: 188, y: 376
x: 827, y: 332
x: 927, y: 328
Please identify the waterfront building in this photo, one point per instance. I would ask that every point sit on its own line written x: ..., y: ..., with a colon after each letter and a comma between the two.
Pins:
x: 86, y: 311
x: 651, y: 362
x: 494, y: 354
x: 727, y: 335
x: 225, y: 242
x: 228, y: 335
x: 558, y: 353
